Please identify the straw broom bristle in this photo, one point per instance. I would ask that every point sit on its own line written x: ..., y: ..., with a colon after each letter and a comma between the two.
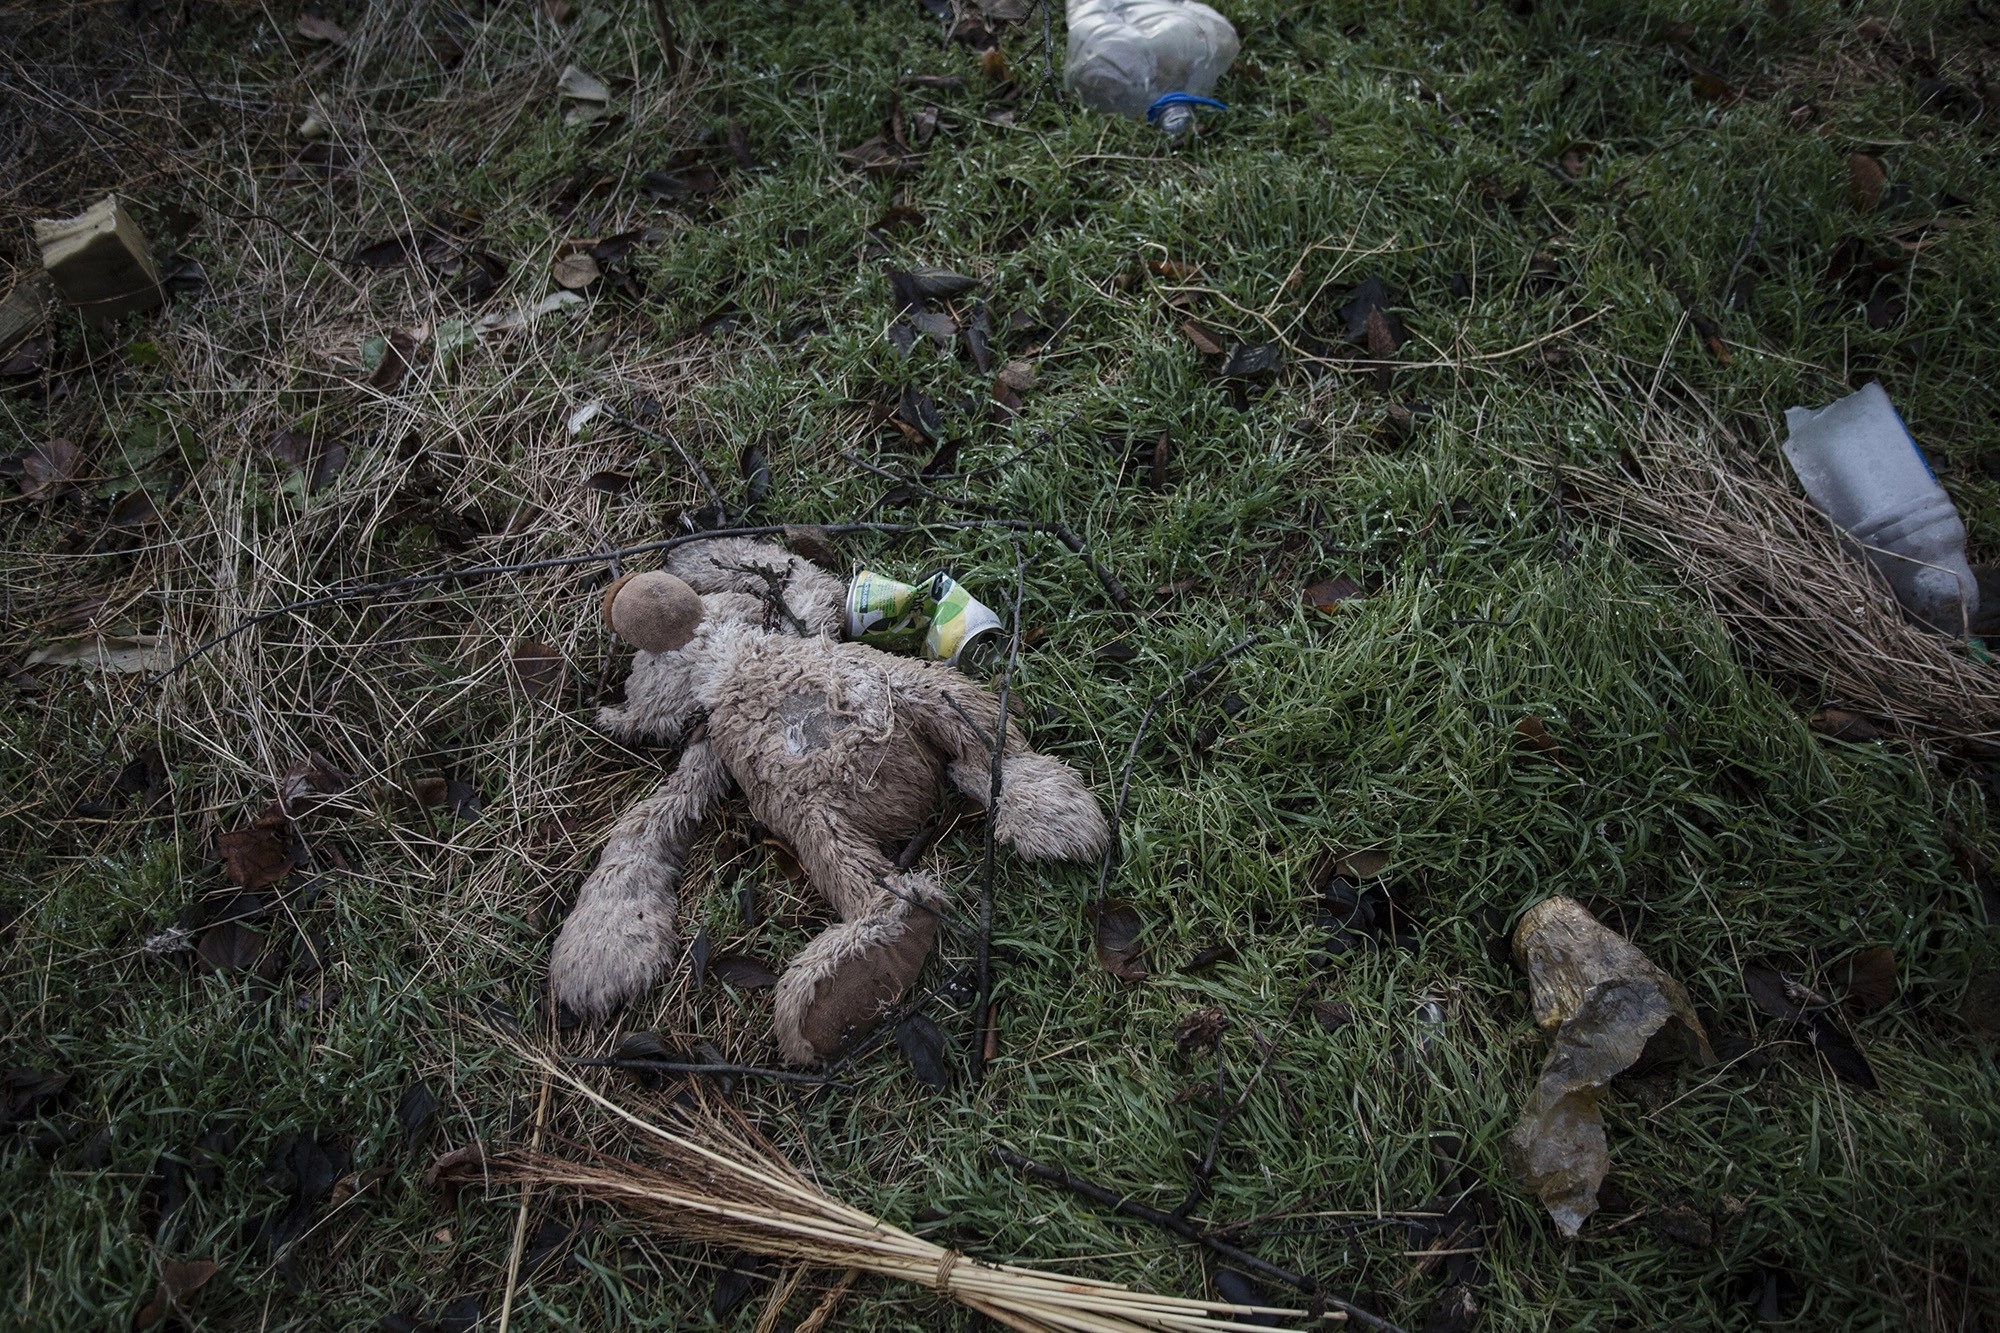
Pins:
x: 1775, y: 571
x: 717, y: 1181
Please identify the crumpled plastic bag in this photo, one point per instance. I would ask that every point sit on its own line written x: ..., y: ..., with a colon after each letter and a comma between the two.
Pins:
x: 1608, y: 1005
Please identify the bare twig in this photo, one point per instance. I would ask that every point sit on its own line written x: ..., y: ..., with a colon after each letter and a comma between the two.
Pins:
x: 1223, y: 1120
x: 1109, y: 862
x: 712, y: 1071
x: 1756, y: 226
x: 1112, y: 587
x: 387, y: 589
x: 1180, y: 1226
x: 692, y: 463
x: 999, y: 752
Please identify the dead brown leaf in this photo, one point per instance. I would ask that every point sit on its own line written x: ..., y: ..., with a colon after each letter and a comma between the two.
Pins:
x: 135, y: 509
x: 539, y: 668
x: 901, y: 217
x: 744, y: 971
x: 882, y: 156
x: 1016, y: 375
x: 1710, y: 86
x: 1328, y: 594
x: 316, y: 29
x: 230, y: 946
x: 49, y: 469
x: 1118, y: 928
x: 306, y: 784
x: 451, y: 1172
x: 1200, y: 1030
x: 1382, y: 342
x: 786, y: 861
x: 178, y: 1281
x: 255, y: 857
x: 574, y: 272
x: 1531, y: 736
x: 399, y: 355
x: 1866, y: 181
x: 815, y: 544
x: 1360, y: 865
x: 1204, y: 342
x: 1844, y: 726
x: 1870, y: 979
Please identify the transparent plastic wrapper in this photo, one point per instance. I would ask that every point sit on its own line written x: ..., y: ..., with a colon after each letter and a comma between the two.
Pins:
x: 1153, y: 58
x: 937, y: 618
x: 1607, y: 1005
x: 1861, y: 469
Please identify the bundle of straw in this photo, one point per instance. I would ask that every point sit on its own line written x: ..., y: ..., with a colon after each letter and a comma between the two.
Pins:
x: 717, y: 1181
x: 1776, y: 572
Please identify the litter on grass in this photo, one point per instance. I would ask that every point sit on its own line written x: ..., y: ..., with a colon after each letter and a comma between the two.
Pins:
x: 1608, y: 1006
x: 1801, y: 601
x: 100, y: 262
x: 1153, y: 58
x: 937, y: 618
x: 1861, y: 469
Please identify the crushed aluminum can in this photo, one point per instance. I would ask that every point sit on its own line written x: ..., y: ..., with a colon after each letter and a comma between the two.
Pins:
x: 936, y: 619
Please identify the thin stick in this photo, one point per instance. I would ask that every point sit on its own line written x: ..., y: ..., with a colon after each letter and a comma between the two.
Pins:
x: 999, y: 751
x: 1112, y: 587
x: 1132, y: 754
x: 694, y: 466
x: 714, y: 1071
x: 383, y: 590
x: 1223, y: 1120
x: 1180, y: 1226
x: 521, y: 1216
x: 1756, y: 226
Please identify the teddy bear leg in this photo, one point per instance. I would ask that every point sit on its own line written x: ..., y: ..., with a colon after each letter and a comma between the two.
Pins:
x: 1046, y: 813
x: 837, y: 987
x: 619, y: 937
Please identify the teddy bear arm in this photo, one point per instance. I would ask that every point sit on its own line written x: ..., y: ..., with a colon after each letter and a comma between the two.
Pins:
x: 660, y: 701
x: 619, y: 937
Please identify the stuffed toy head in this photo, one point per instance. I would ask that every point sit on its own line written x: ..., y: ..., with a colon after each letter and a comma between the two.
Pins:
x: 841, y: 750
x: 654, y: 611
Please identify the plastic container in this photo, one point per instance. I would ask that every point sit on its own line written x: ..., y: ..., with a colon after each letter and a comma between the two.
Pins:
x: 1153, y: 58
x: 1862, y: 470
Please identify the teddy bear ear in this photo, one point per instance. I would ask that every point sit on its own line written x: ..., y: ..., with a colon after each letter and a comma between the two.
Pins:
x: 653, y: 610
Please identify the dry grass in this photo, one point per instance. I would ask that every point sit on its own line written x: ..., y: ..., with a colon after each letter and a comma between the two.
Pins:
x: 714, y: 1179
x: 1387, y: 726
x: 1774, y: 570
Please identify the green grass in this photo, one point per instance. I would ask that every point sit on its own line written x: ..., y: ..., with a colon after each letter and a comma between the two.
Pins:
x: 1414, y: 143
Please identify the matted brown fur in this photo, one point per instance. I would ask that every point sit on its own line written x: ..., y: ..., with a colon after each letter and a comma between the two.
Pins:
x: 842, y: 751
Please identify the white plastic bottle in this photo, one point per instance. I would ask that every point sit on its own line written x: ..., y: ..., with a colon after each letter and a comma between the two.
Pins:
x: 1153, y: 58
x: 1862, y: 470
